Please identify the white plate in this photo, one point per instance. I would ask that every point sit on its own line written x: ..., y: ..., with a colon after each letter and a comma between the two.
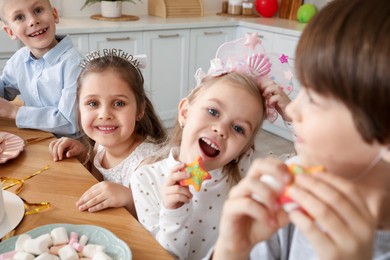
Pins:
x: 14, y: 212
x: 114, y: 247
x: 10, y: 147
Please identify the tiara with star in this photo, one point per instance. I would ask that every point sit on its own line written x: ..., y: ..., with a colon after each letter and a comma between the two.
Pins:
x: 247, y: 55
x: 138, y: 61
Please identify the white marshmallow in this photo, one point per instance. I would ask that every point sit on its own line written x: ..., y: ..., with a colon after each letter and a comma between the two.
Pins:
x: 23, y: 256
x: 47, y: 256
x: 59, y: 236
x: 20, y: 241
x: 90, y: 249
x: 68, y: 253
x: 100, y: 255
x: 83, y: 240
x: 38, y: 245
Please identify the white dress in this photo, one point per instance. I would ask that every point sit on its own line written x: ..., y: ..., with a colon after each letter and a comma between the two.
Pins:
x: 121, y: 172
x: 191, y: 230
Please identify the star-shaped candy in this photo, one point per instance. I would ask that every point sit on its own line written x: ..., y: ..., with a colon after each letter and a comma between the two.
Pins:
x: 252, y: 39
x: 198, y: 174
x: 283, y: 58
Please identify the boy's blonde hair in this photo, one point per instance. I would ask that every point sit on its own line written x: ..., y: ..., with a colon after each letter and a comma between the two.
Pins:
x: 2, y: 2
x: 236, y: 79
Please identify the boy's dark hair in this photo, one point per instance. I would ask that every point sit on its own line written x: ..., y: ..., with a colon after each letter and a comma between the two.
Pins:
x: 344, y: 52
x: 150, y: 125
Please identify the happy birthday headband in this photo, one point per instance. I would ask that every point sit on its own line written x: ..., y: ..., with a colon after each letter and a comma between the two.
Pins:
x: 247, y: 55
x: 138, y: 61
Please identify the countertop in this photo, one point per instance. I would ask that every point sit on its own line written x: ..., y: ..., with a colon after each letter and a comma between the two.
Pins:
x: 146, y: 23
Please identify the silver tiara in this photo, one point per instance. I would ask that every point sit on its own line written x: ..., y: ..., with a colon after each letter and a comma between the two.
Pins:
x: 138, y: 61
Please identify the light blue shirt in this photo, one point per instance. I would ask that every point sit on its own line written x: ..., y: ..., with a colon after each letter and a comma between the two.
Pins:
x: 48, y: 87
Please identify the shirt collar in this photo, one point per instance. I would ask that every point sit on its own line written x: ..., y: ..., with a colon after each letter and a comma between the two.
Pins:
x: 52, y: 56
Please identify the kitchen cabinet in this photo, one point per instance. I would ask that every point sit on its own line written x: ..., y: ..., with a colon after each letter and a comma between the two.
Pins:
x: 8, y: 46
x: 166, y: 75
x: 282, y: 44
x: 2, y: 64
x: 203, y: 47
x: 131, y: 42
x: 81, y: 42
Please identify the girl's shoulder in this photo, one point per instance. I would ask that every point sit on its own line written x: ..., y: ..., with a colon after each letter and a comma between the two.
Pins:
x: 143, y: 151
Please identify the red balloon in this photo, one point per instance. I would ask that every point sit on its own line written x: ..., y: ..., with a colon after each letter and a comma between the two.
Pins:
x: 266, y: 8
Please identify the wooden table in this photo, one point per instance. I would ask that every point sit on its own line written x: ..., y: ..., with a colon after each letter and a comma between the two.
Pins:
x: 62, y: 185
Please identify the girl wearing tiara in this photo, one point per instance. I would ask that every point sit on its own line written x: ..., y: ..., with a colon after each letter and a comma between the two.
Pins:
x: 116, y: 114
x: 217, y: 123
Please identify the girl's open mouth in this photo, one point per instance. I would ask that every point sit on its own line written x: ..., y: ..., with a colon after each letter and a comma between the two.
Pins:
x: 208, y: 148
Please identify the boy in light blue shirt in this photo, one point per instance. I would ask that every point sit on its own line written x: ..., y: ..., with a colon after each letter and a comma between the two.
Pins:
x: 44, y: 72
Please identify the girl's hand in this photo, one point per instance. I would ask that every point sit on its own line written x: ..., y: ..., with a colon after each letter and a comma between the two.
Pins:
x: 104, y: 195
x: 341, y: 226
x: 252, y: 212
x: 173, y: 194
x: 67, y: 147
x: 275, y: 97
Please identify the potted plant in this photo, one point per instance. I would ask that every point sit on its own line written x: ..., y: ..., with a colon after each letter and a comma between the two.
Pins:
x: 109, y: 8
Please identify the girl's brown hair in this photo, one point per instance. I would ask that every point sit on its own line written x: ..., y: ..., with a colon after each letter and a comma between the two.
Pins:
x: 344, y: 52
x: 150, y: 125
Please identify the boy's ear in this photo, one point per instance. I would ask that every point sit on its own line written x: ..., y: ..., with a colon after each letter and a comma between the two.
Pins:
x: 55, y: 15
x: 9, y: 32
x: 183, y: 110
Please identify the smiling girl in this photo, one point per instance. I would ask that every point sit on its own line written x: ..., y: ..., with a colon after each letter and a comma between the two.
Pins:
x: 115, y: 113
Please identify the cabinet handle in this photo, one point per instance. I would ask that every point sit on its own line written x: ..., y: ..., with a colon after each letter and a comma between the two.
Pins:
x: 168, y: 35
x: 213, y: 33
x: 117, y: 39
x: 261, y: 36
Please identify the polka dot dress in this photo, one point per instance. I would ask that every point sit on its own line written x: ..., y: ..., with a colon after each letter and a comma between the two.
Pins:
x: 189, y: 231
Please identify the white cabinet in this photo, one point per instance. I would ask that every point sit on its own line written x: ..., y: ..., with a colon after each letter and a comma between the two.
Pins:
x: 8, y: 46
x: 282, y: 44
x: 285, y: 44
x: 166, y: 75
x: 131, y: 42
x: 80, y: 42
x: 2, y: 65
x: 203, y: 47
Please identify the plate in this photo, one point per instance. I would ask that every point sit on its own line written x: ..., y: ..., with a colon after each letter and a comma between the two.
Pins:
x: 14, y: 212
x: 10, y: 147
x: 114, y: 247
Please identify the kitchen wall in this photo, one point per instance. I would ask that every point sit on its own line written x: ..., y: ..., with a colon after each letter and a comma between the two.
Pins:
x: 71, y: 8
